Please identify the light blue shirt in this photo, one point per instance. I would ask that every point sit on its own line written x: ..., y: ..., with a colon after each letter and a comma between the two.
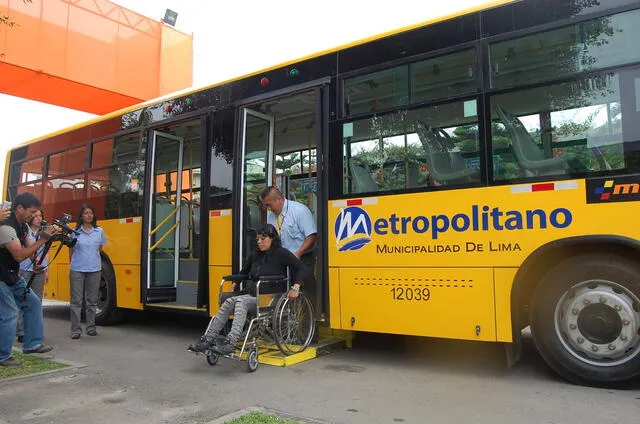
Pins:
x: 27, y: 264
x: 86, y: 253
x: 297, y: 224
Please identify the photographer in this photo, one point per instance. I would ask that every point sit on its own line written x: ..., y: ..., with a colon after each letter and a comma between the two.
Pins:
x: 14, y: 295
x: 28, y: 267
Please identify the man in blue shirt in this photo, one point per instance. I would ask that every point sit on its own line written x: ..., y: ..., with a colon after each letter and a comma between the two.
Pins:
x: 297, y: 229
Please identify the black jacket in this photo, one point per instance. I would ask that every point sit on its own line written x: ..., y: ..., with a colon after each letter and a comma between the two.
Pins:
x: 8, y: 265
x: 272, y: 262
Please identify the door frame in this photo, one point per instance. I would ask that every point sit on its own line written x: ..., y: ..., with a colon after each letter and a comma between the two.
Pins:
x: 246, y: 111
x: 321, y: 88
x: 149, y: 206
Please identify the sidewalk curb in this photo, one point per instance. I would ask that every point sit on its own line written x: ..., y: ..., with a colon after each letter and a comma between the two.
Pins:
x: 69, y: 366
x: 245, y: 411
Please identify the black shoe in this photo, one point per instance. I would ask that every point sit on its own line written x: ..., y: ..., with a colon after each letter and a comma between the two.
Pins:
x: 10, y: 362
x: 20, y: 339
x: 92, y: 332
x: 43, y: 348
x: 226, y: 348
x: 200, y: 346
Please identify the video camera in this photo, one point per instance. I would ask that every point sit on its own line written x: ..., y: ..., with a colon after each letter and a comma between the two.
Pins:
x: 64, y: 234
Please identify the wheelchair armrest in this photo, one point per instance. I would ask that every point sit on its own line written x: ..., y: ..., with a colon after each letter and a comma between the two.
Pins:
x: 235, y: 277
x: 271, y: 278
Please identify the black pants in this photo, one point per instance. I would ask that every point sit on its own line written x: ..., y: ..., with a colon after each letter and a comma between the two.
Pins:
x: 311, y: 286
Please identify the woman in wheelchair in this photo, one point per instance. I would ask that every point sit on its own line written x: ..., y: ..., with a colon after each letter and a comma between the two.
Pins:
x: 270, y: 258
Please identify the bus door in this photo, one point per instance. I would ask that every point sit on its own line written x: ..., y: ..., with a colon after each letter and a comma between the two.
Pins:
x: 281, y: 146
x: 257, y: 141
x: 163, y: 223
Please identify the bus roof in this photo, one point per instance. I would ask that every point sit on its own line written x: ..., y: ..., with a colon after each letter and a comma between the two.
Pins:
x: 484, y: 6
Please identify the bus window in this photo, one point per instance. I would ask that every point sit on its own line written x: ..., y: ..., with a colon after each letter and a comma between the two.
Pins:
x: 116, y: 180
x: 67, y: 162
x: 559, y: 129
x: 377, y: 91
x: 587, y: 46
x: 63, y: 195
x: 432, y: 146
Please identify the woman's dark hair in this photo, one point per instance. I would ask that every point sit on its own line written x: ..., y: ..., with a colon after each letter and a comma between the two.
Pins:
x: 83, y: 208
x: 271, y: 232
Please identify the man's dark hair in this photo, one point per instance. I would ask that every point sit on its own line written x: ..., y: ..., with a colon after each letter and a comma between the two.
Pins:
x: 26, y: 200
x: 267, y: 191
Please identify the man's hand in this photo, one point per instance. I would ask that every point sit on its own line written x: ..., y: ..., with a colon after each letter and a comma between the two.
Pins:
x: 47, y: 233
x: 4, y: 214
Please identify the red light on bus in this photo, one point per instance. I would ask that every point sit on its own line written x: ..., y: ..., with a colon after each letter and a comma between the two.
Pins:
x: 264, y: 81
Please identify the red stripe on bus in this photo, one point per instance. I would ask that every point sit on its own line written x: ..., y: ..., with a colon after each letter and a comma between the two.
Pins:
x: 543, y: 187
x: 356, y: 202
x: 129, y: 220
x: 215, y: 213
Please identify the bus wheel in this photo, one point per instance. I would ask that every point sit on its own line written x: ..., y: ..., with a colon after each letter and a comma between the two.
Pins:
x: 107, y: 313
x: 585, y: 319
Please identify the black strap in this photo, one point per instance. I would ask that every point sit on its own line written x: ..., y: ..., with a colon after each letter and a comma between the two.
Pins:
x: 33, y: 274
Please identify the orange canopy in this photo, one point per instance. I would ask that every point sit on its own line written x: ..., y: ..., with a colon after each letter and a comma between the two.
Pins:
x: 90, y: 55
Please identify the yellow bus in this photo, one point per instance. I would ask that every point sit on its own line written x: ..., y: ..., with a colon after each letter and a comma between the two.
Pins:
x: 470, y: 177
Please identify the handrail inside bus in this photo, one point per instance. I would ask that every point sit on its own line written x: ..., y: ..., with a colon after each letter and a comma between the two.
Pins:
x: 155, y: 230
x: 173, y: 227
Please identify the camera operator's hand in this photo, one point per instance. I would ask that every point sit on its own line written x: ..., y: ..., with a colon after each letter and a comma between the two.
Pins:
x: 47, y: 233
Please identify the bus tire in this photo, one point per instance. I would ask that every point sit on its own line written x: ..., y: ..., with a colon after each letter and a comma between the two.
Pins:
x: 108, y: 313
x: 585, y: 319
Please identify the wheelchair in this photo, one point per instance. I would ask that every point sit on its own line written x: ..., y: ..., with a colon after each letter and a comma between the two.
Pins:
x: 277, y: 320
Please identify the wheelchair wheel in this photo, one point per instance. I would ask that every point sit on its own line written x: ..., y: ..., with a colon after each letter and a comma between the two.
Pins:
x: 252, y: 360
x: 212, y: 359
x: 293, y: 324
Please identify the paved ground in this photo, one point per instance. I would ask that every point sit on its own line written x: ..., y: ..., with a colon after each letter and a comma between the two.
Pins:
x: 141, y: 373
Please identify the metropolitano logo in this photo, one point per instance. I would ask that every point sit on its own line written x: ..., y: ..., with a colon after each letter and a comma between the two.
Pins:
x: 619, y: 189
x: 352, y: 228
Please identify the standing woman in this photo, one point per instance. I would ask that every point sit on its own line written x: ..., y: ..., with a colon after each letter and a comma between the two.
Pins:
x: 86, y: 267
x: 27, y: 266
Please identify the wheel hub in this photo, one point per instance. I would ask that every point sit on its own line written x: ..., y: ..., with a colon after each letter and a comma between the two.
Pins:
x: 599, y: 322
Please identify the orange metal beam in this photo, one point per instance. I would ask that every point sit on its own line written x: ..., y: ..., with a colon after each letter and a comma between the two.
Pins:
x: 90, y: 55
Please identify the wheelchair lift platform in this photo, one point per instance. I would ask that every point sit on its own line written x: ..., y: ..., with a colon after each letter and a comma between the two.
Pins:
x: 327, y: 343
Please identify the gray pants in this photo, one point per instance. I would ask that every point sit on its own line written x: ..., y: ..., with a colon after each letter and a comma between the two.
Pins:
x: 38, y: 288
x: 87, y: 284
x: 236, y: 305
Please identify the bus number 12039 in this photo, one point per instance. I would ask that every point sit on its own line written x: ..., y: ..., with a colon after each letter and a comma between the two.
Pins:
x: 408, y: 293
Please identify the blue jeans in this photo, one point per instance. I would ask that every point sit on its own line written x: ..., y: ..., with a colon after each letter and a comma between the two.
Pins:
x: 11, y: 301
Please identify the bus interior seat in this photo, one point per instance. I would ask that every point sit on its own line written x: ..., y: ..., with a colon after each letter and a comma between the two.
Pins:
x: 196, y: 219
x: 362, y: 180
x: 528, y: 154
x: 413, y: 175
x: 445, y: 163
x: 254, y: 216
x: 184, y: 225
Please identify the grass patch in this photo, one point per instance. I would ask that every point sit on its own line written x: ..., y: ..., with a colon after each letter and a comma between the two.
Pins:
x: 260, y: 418
x: 31, y: 364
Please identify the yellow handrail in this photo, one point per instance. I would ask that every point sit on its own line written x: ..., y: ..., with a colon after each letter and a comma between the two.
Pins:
x: 155, y: 230
x: 152, y: 248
